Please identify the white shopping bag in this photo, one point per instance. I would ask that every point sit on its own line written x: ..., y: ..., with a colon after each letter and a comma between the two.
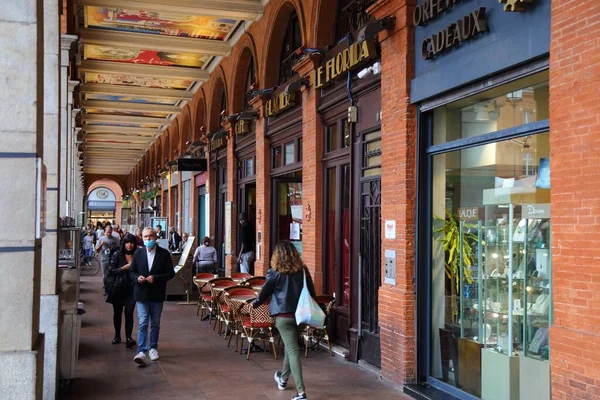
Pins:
x: 308, y: 311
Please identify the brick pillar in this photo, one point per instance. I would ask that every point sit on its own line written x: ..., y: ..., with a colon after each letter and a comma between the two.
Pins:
x: 263, y: 189
x: 231, y: 260
x: 575, y: 199
x: 312, y: 175
x: 398, y: 192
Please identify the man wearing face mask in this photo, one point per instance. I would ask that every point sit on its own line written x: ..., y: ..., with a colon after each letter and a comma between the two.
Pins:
x: 205, y: 257
x: 151, y: 268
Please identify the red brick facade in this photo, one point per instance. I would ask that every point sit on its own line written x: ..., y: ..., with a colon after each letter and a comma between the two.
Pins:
x: 575, y: 151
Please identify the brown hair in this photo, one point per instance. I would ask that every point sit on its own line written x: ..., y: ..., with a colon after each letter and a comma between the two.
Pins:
x: 286, y: 259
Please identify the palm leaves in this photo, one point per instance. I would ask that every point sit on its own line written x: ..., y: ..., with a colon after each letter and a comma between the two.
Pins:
x: 450, y: 241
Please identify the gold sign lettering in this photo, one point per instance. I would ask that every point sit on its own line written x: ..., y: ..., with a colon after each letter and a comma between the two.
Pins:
x: 344, y: 61
x: 456, y: 33
x: 241, y: 127
x: 279, y: 103
x: 217, y: 143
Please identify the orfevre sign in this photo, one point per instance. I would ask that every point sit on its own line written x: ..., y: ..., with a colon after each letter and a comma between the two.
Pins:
x: 454, y: 34
x: 343, y: 61
x: 280, y: 102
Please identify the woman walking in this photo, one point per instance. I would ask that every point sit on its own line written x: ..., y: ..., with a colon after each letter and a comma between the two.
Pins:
x: 285, y: 280
x: 120, y: 290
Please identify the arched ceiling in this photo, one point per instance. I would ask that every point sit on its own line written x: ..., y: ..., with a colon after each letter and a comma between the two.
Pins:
x: 141, y: 63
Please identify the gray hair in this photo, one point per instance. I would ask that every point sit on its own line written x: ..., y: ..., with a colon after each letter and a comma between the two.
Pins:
x: 149, y: 229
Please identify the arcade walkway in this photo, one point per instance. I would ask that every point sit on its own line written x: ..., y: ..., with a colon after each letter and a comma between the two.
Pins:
x: 196, y: 364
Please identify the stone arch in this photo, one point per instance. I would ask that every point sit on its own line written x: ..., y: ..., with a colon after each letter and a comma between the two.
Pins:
x: 159, y: 153
x: 245, y: 56
x: 324, y: 23
x: 94, y: 181
x: 166, y: 141
x: 219, y: 90
x: 185, y: 131
x: 200, y: 116
x: 174, y: 139
x: 275, y: 39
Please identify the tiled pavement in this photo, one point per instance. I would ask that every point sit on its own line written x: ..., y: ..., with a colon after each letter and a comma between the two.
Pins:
x: 195, y: 363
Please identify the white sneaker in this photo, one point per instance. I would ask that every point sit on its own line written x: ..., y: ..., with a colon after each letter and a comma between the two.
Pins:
x: 140, y: 358
x: 154, y: 354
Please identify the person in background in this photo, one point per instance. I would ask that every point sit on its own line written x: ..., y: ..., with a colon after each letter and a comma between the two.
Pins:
x: 120, y: 291
x: 99, y: 231
x: 138, y: 237
x: 205, y: 257
x: 246, y: 253
x: 184, y: 239
x: 285, y: 281
x: 151, y: 268
x: 107, y: 244
x: 160, y: 234
x: 88, y: 245
x: 174, y: 239
x: 119, y: 231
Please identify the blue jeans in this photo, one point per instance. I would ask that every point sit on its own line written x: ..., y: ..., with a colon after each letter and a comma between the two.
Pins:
x: 148, y: 313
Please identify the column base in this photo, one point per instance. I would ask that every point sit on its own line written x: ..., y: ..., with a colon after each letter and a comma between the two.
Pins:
x: 22, y: 373
x: 49, y: 326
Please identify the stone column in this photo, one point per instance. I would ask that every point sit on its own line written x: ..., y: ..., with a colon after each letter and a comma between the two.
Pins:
x: 312, y: 175
x: 22, y: 137
x: 263, y: 190
x: 231, y: 260
x: 398, y: 191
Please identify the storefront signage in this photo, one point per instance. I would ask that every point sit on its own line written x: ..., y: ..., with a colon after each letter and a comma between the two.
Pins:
x: 241, y: 127
x: 192, y: 164
x: 279, y: 103
x: 468, y: 214
x: 218, y: 142
x: 431, y: 9
x: 454, y: 34
x: 344, y: 61
x: 536, y: 210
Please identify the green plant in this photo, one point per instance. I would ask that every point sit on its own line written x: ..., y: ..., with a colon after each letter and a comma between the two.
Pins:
x: 152, y: 193
x: 450, y: 241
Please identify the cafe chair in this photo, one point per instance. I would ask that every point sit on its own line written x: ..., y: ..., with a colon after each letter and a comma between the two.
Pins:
x: 237, y: 297
x: 216, y: 289
x: 204, y: 297
x: 259, y: 325
x: 240, y: 276
x: 256, y: 282
x: 314, y: 335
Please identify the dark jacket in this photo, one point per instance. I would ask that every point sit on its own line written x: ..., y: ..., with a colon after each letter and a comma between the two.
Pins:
x: 284, y: 291
x: 174, y: 244
x: 121, y: 290
x: 162, y: 270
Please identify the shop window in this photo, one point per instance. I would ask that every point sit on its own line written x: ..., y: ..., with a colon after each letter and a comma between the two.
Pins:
x: 250, y: 80
x: 250, y: 167
x: 372, y: 154
x: 290, y: 153
x: 505, y: 107
x: 300, y: 150
x: 337, y: 136
x: 345, y: 133
x: 246, y: 168
x: 490, y: 237
x: 291, y: 41
x: 332, y: 137
x: 276, y: 156
x: 351, y: 15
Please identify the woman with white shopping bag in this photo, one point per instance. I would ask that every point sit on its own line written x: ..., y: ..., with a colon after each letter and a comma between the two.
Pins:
x: 292, y: 292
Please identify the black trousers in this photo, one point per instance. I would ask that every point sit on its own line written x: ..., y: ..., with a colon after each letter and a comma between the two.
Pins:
x: 117, y: 318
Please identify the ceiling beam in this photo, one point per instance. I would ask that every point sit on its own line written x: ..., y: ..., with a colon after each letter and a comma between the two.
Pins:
x: 249, y: 10
x: 121, y: 68
x: 128, y: 119
x: 124, y: 106
x: 121, y: 90
x: 122, y: 129
x: 155, y: 42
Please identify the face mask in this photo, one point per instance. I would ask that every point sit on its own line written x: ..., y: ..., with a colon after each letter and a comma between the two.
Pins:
x: 206, y: 243
x: 149, y: 243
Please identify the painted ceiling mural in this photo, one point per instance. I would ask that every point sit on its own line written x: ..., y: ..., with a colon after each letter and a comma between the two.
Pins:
x: 159, y: 23
x: 131, y: 77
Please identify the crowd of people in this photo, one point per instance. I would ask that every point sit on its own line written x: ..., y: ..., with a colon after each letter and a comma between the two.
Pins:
x: 136, y: 270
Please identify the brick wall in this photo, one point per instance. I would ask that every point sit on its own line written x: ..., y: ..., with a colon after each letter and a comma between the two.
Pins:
x: 575, y: 201
x: 398, y: 193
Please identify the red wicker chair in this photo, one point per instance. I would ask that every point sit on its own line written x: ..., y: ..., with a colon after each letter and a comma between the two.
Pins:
x: 204, y: 297
x: 312, y: 334
x: 219, y: 306
x: 240, y: 276
x: 256, y: 281
x: 237, y: 297
x: 258, y: 325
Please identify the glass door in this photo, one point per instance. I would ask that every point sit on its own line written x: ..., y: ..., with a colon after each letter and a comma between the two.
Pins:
x: 288, y: 210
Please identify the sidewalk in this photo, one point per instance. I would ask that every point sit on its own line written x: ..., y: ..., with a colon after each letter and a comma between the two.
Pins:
x: 196, y: 364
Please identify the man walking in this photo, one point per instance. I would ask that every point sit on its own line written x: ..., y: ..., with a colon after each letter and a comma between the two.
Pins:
x: 174, y: 239
x: 151, y: 268
x: 105, y: 245
x: 246, y: 253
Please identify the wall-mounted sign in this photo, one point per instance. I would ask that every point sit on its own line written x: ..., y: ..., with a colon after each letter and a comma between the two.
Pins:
x: 192, y: 164
x: 344, y: 60
x: 241, y: 127
x: 218, y: 141
x: 279, y: 103
x: 468, y: 213
x: 454, y: 34
x: 535, y: 211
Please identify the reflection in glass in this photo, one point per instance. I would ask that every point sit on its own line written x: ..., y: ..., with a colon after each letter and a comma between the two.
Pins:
x: 290, y: 153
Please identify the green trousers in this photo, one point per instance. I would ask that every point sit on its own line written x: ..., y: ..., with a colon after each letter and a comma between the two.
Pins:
x: 290, y: 333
